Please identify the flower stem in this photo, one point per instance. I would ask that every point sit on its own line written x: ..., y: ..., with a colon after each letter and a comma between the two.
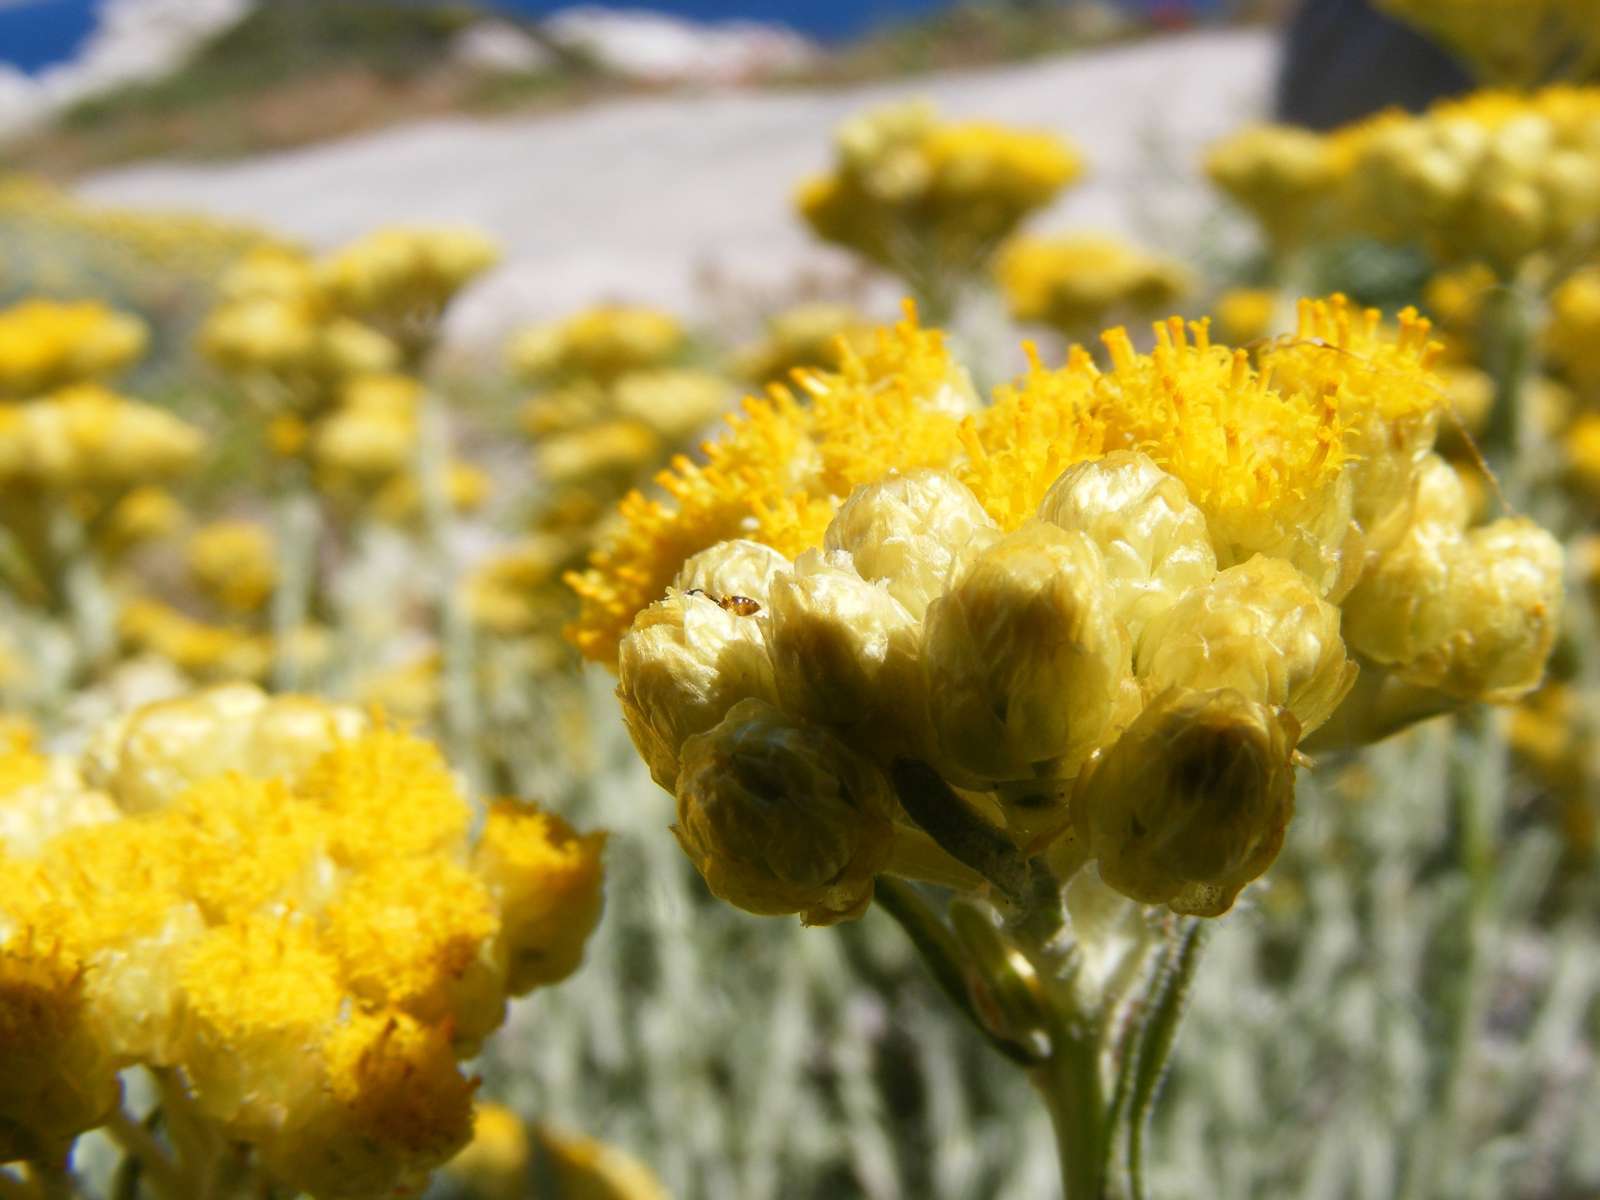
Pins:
x: 460, y: 700
x: 138, y: 1142
x: 296, y: 521
x: 1509, y: 333
x: 1069, y: 1084
x: 89, y: 605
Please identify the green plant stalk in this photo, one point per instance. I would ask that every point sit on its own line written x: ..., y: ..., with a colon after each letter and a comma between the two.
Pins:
x: 462, y: 726
x: 298, y: 528
x: 1508, y: 332
x: 90, y: 610
x: 1069, y: 1084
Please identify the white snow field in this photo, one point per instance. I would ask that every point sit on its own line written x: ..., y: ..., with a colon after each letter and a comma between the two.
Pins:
x: 638, y: 199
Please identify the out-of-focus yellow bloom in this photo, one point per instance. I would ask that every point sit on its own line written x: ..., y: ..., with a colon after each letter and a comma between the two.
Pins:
x: 280, y: 904
x: 87, y: 437
x: 1572, y: 336
x: 916, y: 194
x: 467, y: 488
x: 1070, y: 283
x: 598, y: 344
x: 1454, y: 297
x: 609, y: 448
x: 1281, y: 175
x: 1515, y: 43
x: 143, y: 515
x: 235, y: 563
x: 1492, y: 176
x: 1245, y: 315
x: 403, y: 274
x: 546, y: 882
x: 372, y: 435
x: 804, y: 336
x: 46, y: 345
x: 675, y: 402
x: 1550, y: 735
x: 591, y: 1170
x: 197, y: 648
x: 1583, y: 454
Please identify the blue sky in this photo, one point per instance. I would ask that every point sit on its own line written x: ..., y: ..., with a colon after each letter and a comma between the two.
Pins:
x: 36, y: 33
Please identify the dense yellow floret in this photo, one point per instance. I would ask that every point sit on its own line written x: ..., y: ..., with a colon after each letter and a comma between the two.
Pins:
x: 45, y: 344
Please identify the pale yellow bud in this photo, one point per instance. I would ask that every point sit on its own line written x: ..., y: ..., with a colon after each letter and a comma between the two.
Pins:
x: 782, y: 818
x: 846, y: 653
x: 1152, y: 539
x: 733, y: 570
x: 1259, y: 628
x: 915, y: 532
x: 683, y: 665
x: 1191, y: 802
x: 1024, y: 659
x: 146, y: 759
x: 1474, y: 615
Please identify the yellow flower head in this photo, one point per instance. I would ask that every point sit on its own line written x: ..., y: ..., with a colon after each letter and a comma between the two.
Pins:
x: 286, y: 913
x: 45, y: 345
x: 913, y: 193
x: 598, y: 344
x: 400, y: 273
x: 234, y: 562
x: 1072, y: 282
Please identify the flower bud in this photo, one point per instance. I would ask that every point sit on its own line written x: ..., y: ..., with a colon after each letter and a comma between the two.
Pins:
x: 846, y: 653
x: 781, y: 818
x: 1474, y: 615
x: 1023, y: 658
x: 146, y: 759
x: 1153, y: 541
x: 1259, y: 628
x: 913, y: 531
x: 685, y: 662
x: 1191, y: 802
x: 733, y: 570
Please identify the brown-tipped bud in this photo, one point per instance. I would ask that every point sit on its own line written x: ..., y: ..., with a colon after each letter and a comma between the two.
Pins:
x: 845, y: 653
x: 1191, y: 802
x: 913, y: 531
x: 1153, y: 539
x: 782, y: 818
x: 1474, y: 615
x: 1260, y: 628
x: 1023, y: 658
x: 685, y: 662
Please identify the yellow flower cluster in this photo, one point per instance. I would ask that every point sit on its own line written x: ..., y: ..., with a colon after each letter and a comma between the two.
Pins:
x: 277, y: 329
x: 597, y: 345
x: 1572, y: 337
x: 1514, y: 43
x: 399, y: 277
x: 1493, y: 176
x: 1070, y: 283
x: 45, y: 345
x: 917, y: 194
x: 1107, y: 606
x: 1279, y: 174
x: 276, y: 902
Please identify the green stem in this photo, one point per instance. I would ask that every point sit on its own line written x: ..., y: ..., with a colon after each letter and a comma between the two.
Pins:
x: 935, y: 942
x: 89, y: 605
x: 297, y: 530
x: 1509, y: 335
x: 1069, y: 1084
x: 1158, y: 1034
x: 463, y: 734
